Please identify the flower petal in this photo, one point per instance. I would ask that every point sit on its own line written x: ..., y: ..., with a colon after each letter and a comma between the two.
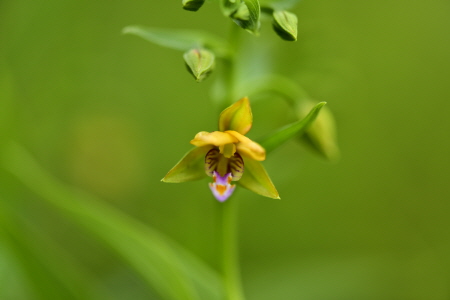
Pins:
x: 215, y: 138
x: 237, y: 117
x: 247, y: 147
x: 190, y: 167
x: 255, y: 179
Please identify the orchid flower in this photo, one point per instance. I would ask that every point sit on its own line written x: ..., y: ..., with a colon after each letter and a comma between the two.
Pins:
x: 227, y: 156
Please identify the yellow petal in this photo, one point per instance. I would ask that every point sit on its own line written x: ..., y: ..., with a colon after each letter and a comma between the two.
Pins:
x: 237, y: 117
x: 248, y: 147
x: 215, y: 138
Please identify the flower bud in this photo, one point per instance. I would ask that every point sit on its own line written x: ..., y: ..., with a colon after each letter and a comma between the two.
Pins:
x: 247, y: 16
x: 192, y: 5
x: 321, y: 135
x: 199, y: 62
x: 285, y: 25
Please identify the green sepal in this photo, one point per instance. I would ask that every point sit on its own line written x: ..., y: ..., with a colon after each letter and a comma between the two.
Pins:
x: 285, y: 25
x: 247, y: 16
x: 181, y: 39
x: 287, y: 132
x: 257, y: 180
x: 190, y: 167
x: 192, y: 5
x: 321, y: 135
x: 199, y: 62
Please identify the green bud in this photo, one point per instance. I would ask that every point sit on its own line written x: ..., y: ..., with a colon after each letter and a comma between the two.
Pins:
x: 285, y: 25
x: 199, y: 62
x: 321, y: 135
x: 242, y: 13
x: 192, y: 5
x: 247, y: 16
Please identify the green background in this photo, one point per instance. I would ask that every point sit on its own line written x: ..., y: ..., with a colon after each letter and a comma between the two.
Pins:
x: 110, y: 114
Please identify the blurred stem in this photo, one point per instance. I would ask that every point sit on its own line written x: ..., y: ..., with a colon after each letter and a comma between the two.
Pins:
x: 228, y: 210
x: 229, y: 66
x: 230, y: 256
x: 285, y: 87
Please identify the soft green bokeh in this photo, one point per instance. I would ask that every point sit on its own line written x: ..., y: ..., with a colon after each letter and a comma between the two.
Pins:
x: 110, y: 114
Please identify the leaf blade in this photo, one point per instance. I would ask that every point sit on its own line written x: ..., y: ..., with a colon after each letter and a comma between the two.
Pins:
x: 287, y: 132
x: 180, y: 39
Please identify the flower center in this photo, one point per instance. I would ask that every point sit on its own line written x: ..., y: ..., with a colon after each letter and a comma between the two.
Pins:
x: 228, y: 150
x: 215, y: 161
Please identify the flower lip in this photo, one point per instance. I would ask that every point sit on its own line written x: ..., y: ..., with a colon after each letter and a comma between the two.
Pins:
x: 221, y: 187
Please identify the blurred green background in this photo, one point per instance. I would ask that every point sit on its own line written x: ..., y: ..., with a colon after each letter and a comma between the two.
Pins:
x: 109, y: 114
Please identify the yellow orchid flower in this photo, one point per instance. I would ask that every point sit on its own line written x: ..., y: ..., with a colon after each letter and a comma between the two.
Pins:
x: 227, y: 155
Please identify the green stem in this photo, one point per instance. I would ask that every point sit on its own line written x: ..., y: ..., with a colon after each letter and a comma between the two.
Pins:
x: 230, y: 255
x: 229, y: 66
x: 228, y: 210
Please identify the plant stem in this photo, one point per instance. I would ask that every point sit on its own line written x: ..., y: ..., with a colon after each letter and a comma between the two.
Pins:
x: 229, y: 241
x: 229, y: 65
x: 230, y: 259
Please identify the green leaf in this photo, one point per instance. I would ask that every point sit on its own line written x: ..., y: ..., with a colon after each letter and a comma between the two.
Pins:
x: 229, y: 6
x: 171, y: 270
x: 180, y: 39
x: 287, y: 132
x: 190, y: 167
x: 256, y: 179
x: 200, y: 63
x: 279, y: 4
x: 192, y: 5
x: 247, y: 16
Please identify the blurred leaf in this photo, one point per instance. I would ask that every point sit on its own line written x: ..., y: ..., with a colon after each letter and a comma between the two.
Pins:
x: 171, y: 270
x: 287, y: 132
x: 229, y: 6
x: 192, y: 5
x: 180, y: 39
x: 6, y: 101
x: 275, y: 84
x: 247, y: 16
x: 200, y: 63
x: 321, y: 135
x: 279, y: 4
x: 52, y: 272
x: 13, y: 282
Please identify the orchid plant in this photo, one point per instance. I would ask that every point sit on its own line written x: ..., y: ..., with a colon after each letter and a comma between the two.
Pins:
x: 227, y: 155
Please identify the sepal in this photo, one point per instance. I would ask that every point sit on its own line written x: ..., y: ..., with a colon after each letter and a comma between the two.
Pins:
x: 257, y: 180
x: 190, y: 167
